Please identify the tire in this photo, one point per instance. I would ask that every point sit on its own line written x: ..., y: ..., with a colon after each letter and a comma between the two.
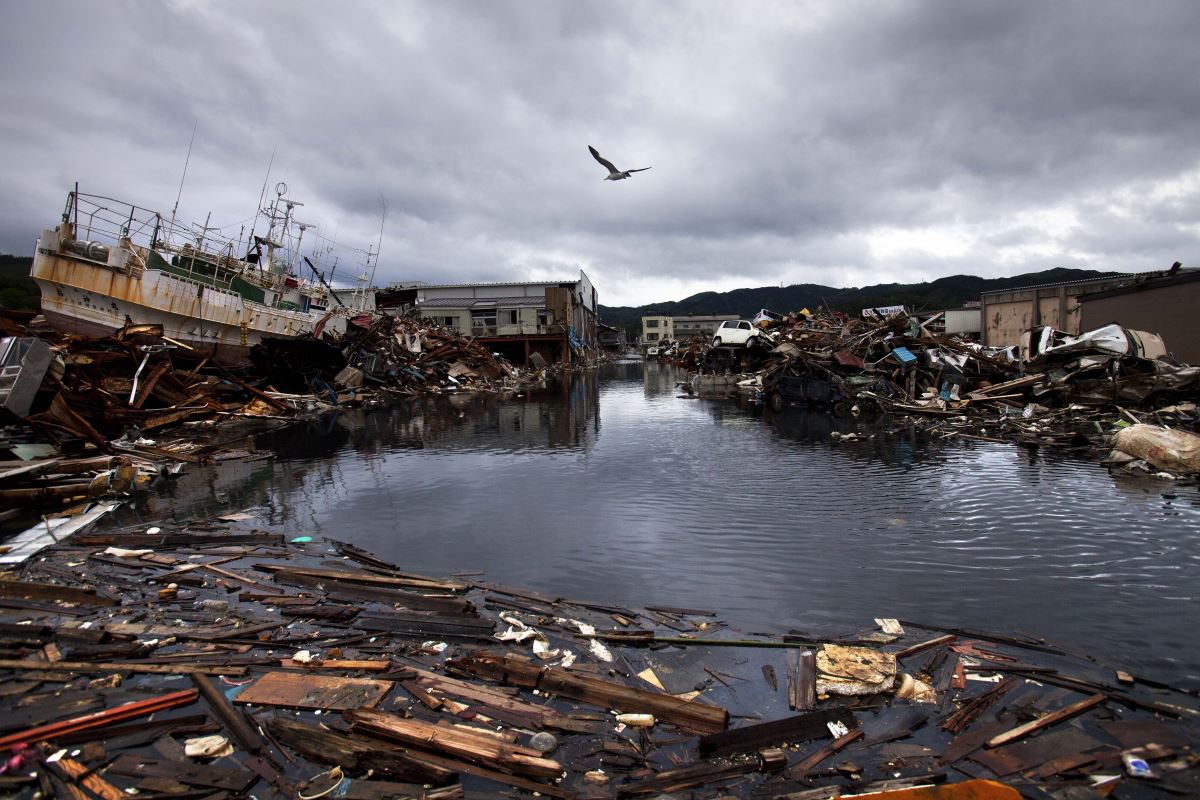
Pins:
x: 841, y: 409
x: 775, y: 401
x: 716, y: 341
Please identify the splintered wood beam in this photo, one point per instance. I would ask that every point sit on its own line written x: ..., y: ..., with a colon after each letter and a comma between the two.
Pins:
x: 802, y: 768
x: 800, y: 728
x: 121, y: 666
x: 477, y: 747
x: 1045, y: 722
x: 517, y: 670
x: 675, y: 780
x: 53, y: 591
x: 245, y: 734
x: 358, y: 754
x: 140, y: 708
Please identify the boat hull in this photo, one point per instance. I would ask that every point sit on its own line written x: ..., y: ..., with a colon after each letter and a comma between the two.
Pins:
x: 90, y: 298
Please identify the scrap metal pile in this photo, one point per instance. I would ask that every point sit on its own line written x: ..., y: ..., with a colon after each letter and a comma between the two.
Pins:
x: 216, y: 661
x: 1054, y: 389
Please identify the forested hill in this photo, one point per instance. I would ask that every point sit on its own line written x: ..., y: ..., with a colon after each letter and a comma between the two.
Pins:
x: 949, y: 292
x: 17, y: 289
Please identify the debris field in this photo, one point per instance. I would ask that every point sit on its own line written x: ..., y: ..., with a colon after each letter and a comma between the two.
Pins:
x: 214, y: 660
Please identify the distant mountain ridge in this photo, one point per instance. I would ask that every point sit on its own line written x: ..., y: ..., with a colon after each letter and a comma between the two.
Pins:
x: 949, y: 292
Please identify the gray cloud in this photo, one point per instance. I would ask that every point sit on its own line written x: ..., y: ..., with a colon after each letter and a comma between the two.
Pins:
x: 843, y: 143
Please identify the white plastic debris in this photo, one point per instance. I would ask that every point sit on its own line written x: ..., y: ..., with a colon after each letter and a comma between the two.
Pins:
x: 837, y: 729
x: 636, y: 720
x: 121, y: 552
x: 302, y: 657
x: 215, y: 746
x: 598, y: 649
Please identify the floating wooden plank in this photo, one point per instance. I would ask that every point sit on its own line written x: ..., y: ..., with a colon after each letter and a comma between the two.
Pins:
x: 427, y: 625
x: 29, y: 468
x: 301, y: 690
x: 233, y: 780
x: 372, y: 665
x: 966, y: 743
x: 120, y: 713
x: 520, y: 671
x: 972, y: 633
x: 970, y: 711
x: 50, y: 532
x: 1007, y: 386
x: 92, y: 782
x: 1133, y: 733
x: 53, y: 591
x: 810, y: 762
x: 457, y: 742
x: 48, y: 709
x: 90, y: 667
x: 343, y: 590
x: 895, y: 723
x: 356, y: 754
x: 365, y: 578
x: 389, y: 790
x: 676, y: 780
x: 800, y: 728
x: 1026, y: 755
x: 246, y: 735
x: 802, y: 680
x: 184, y: 539
x: 1046, y: 721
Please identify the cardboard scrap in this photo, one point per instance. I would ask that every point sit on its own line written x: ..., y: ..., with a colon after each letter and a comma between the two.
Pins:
x: 846, y: 670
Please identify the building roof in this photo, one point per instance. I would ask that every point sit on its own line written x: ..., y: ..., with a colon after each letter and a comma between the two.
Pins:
x: 1155, y: 281
x: 483, y: 302
x: 1115, y: 276
x: 571, y: 281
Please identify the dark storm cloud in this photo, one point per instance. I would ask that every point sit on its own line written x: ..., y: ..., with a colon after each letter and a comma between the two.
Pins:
x: 841, y: 143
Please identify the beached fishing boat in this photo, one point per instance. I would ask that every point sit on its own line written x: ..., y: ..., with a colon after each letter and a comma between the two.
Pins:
x: 109, y: 263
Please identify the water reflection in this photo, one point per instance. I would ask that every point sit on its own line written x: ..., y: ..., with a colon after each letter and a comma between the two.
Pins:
x: 767, y: 518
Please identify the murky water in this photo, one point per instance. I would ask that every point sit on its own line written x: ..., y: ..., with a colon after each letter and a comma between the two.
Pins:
x: 612, y: 488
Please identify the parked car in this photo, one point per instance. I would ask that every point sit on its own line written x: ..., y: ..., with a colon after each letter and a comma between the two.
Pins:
x: 736, y: 332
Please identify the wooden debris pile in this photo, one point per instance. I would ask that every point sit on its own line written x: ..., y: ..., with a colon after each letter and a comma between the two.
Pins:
x: 129, y: 381
x: 393, y: 354
x: 215, y: 661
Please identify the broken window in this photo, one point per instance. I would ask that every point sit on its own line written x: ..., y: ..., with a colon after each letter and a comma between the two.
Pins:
x: 483, y: 322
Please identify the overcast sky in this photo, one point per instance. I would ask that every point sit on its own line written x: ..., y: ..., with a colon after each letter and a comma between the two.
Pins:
x: 842, y: 143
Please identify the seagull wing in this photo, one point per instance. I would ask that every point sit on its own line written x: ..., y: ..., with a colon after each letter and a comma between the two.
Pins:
x: 639, y: 169
x: 608, y: 164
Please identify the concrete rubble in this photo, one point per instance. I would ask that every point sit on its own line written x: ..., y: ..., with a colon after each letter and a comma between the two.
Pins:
x: 215, y: 660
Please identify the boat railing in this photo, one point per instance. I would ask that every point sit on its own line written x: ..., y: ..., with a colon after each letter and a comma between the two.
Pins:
x: 108, y: 220
x: 198, y: 249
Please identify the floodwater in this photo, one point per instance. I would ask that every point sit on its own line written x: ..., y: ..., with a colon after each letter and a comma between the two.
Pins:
x: 613, y: 488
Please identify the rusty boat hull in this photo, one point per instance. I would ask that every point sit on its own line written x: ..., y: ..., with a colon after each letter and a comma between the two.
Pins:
x: 95, y: 297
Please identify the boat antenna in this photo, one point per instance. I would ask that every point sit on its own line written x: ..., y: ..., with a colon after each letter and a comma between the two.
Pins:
x: 383, y: 209
x: 185, y: 166
x: 261, y: 195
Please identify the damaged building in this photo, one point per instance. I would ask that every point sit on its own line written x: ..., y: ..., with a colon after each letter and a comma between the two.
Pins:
x: 556, y: 319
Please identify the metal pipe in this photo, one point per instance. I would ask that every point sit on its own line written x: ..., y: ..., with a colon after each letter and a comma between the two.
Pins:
x: 90, y: 250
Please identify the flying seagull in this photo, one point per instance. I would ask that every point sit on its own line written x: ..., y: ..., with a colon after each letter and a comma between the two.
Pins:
x: 614, y: 174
